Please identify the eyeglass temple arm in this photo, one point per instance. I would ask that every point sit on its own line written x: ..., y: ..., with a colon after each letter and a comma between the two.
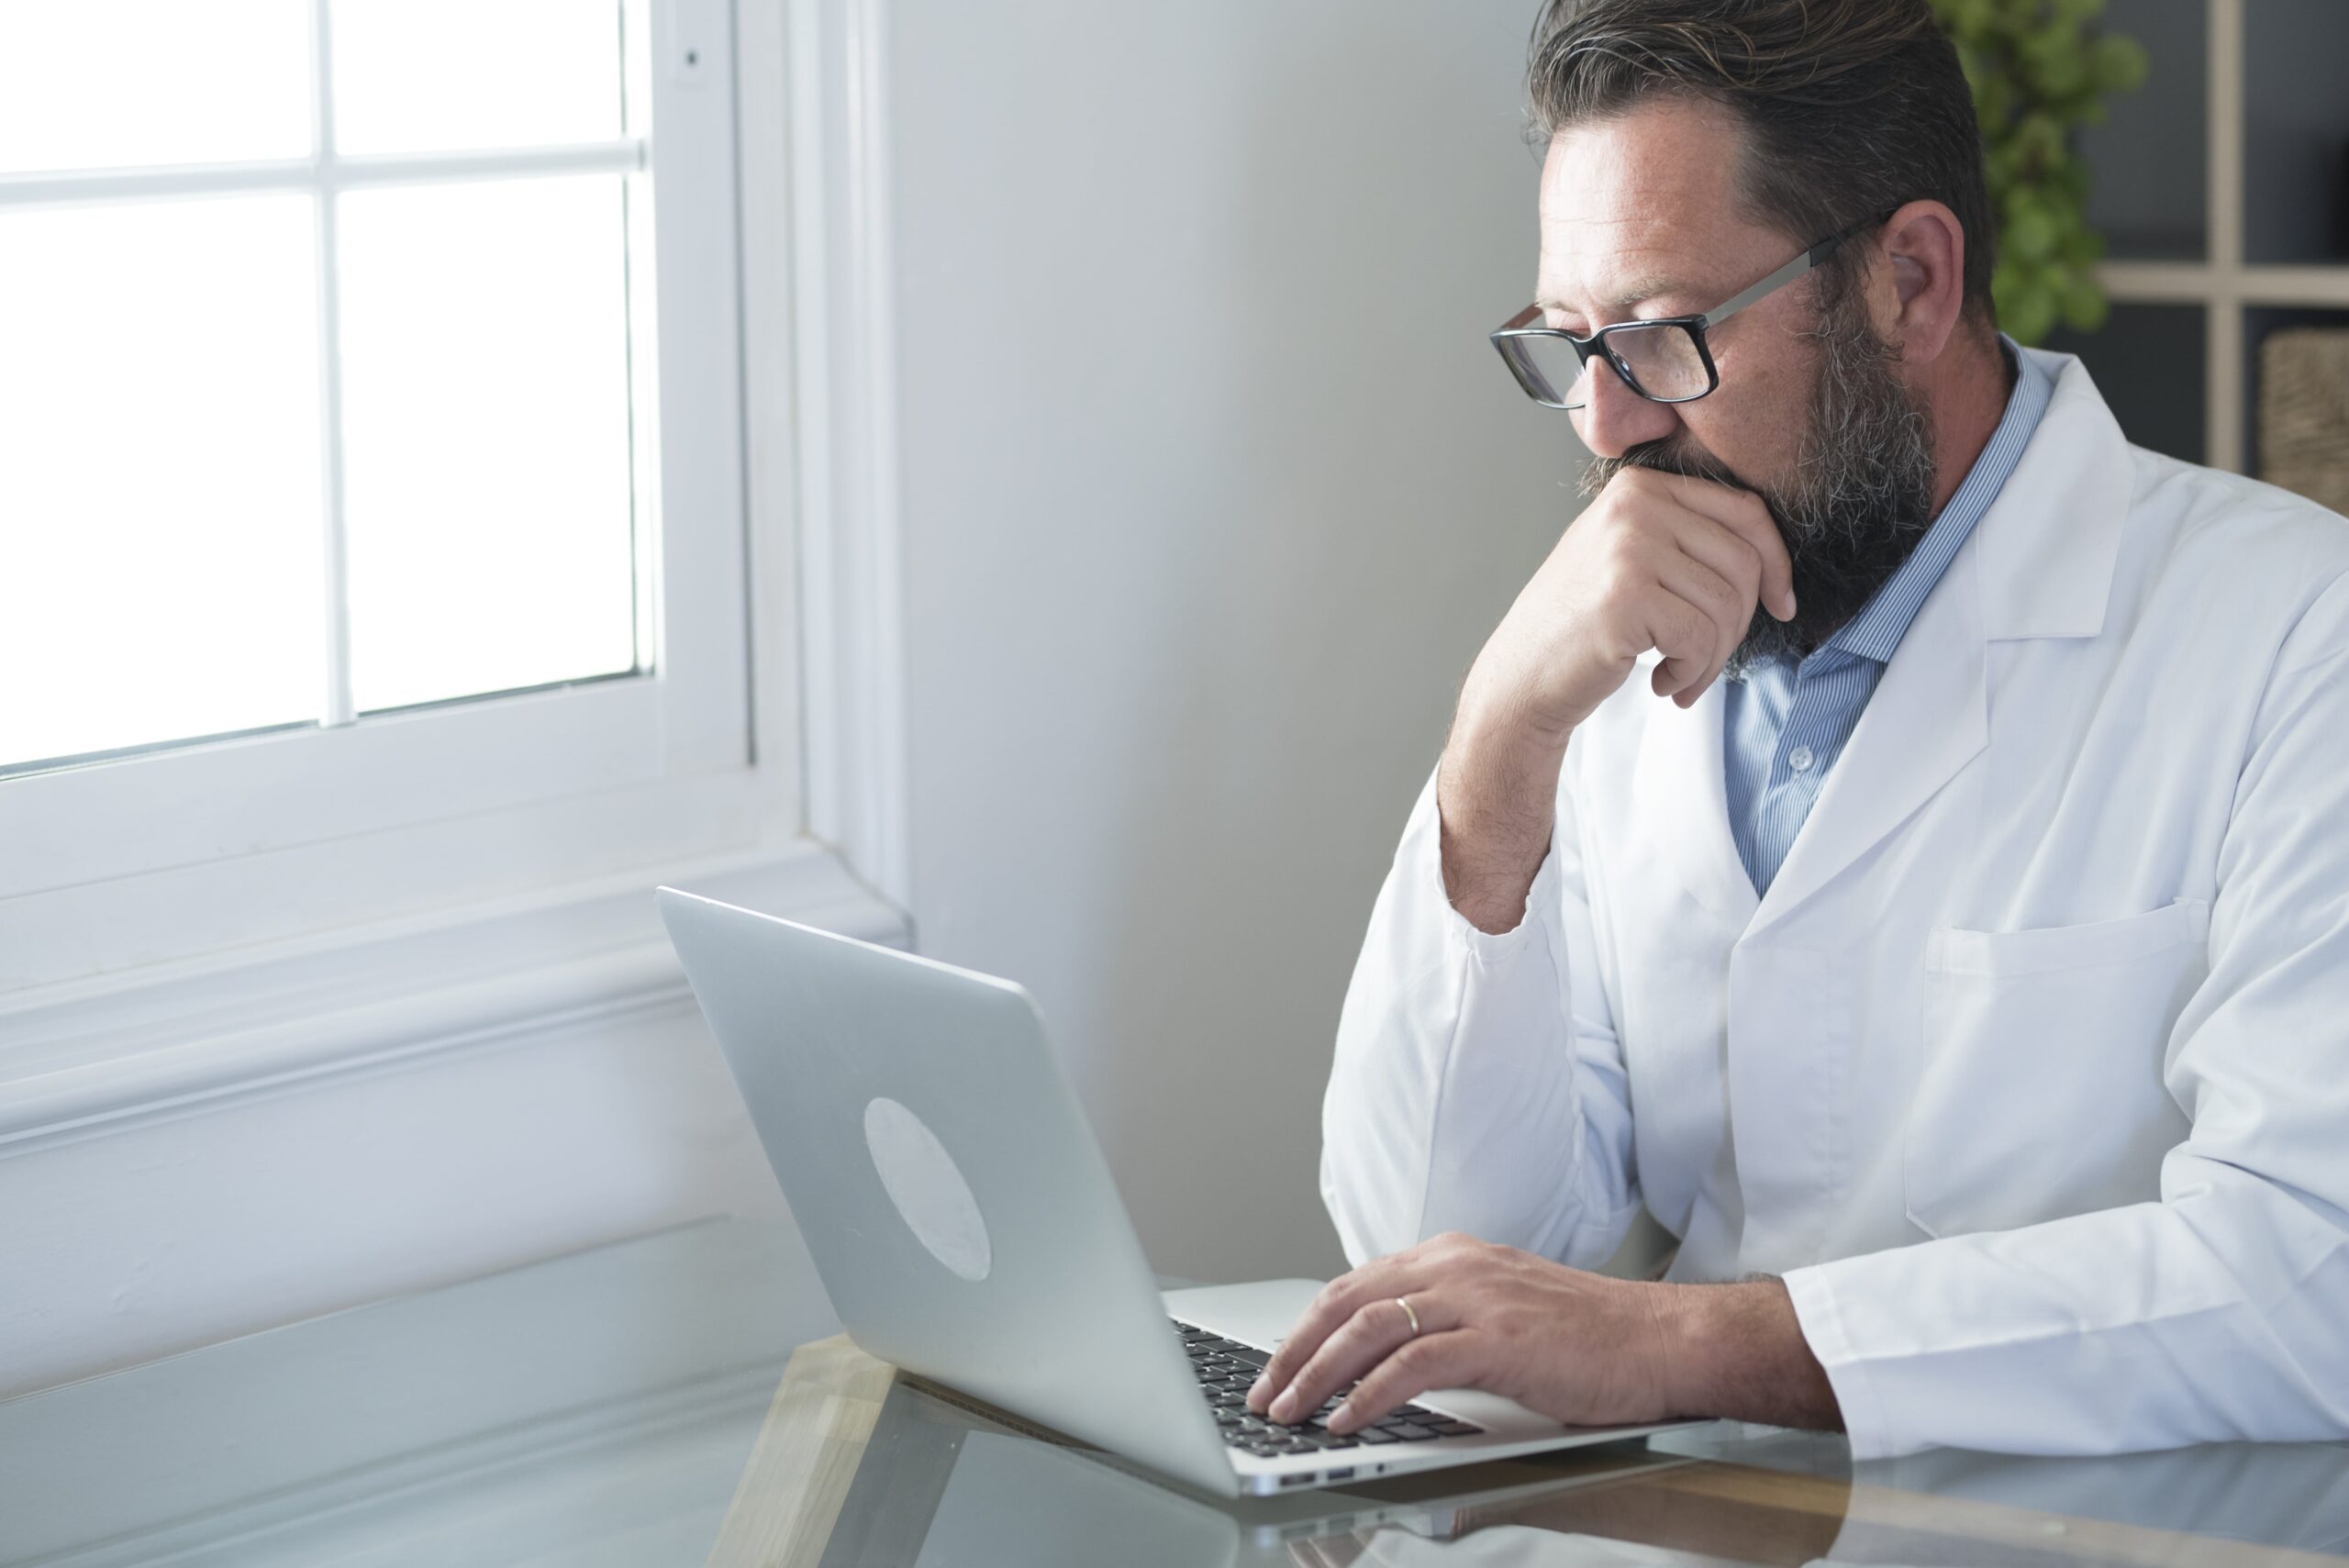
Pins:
x: 1785, y: 274
x: 1777, y: 279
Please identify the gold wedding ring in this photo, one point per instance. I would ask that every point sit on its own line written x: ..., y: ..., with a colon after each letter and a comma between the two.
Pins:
x: 1411, y: 1315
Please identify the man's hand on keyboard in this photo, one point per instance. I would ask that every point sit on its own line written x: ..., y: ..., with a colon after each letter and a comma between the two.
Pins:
x: 1581, y: 1347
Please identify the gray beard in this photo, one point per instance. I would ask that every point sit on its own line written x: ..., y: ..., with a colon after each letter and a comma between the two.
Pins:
x: 1862, y: 497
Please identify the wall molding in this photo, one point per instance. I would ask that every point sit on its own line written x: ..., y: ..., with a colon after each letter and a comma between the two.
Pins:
x: 487, y: 979
x: 819, y: 269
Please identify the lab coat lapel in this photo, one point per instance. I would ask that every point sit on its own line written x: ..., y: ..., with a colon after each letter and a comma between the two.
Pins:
x: 2039, y: 564
x: 1928, y: 719
x: 1683, y: 790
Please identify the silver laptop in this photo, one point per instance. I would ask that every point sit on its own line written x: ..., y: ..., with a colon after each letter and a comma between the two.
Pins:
x: 968, y: 1229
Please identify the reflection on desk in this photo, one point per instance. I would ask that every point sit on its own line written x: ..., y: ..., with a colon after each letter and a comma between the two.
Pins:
x: 860, y: 1467
x: 2281, y: 1495
x: 633, y: 1406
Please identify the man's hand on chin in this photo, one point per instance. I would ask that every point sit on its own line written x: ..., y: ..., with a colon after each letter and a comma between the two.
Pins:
x: 1578, y: 1347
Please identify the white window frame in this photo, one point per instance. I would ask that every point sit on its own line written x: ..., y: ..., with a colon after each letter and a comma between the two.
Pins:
x: 222, y: 917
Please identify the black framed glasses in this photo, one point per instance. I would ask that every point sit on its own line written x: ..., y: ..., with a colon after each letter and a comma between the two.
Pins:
x: 1665, y: 360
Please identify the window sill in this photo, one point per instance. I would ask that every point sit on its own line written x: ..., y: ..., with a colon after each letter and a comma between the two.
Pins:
x: 87, y: 1058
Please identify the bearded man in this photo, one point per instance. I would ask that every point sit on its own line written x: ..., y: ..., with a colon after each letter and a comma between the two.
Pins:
x: 1894, y: 839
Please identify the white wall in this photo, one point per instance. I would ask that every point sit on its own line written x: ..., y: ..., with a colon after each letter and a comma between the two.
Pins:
x: 1212, y: 488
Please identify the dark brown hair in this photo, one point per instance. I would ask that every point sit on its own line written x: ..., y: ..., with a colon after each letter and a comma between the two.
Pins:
x: 1849, y: 107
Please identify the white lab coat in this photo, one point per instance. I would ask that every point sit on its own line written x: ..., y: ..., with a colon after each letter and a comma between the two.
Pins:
x: 2030, y: 1075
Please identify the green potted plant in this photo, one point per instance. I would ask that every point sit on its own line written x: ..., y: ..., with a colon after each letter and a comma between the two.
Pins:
x: 2039, y: 68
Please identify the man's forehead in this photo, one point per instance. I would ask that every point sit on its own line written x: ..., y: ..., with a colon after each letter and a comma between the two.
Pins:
x: 1643, y: 206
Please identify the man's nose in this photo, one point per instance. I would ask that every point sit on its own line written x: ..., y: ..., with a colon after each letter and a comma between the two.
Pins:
x: 1613, y: 418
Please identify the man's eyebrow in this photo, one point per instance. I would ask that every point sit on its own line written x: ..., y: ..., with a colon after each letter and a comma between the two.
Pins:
x: 1621, y: 307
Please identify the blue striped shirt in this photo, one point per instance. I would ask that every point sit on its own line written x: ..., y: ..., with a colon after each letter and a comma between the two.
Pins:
x: 1784, y: 728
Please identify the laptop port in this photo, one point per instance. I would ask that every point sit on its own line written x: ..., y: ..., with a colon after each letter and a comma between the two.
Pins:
x: 1345, y: 1474
x: 1298, y: 1480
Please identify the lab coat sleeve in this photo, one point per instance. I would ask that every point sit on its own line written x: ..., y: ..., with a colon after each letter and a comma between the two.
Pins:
x: 1478, y: 1085
x: 2221, y: 1312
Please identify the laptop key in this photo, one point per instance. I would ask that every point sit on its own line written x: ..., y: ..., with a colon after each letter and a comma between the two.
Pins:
x: 1411, y: 1432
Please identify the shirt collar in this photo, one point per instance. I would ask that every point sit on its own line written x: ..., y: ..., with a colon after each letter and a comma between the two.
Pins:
x: 1876, y: 630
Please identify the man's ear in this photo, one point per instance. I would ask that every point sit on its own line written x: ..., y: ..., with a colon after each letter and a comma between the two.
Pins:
x: 1924, y: 247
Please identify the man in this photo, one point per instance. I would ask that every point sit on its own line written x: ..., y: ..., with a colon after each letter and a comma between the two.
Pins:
x: 1895, y: 837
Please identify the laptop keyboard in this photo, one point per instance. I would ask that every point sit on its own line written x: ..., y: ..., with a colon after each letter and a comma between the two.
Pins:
x: 1227, y: 1369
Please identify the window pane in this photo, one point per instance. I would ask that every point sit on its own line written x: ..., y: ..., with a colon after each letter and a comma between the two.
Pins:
x: 2296, y: 133
x: 426, y: 75
x: 160, y: 563
x: 486, y: 472
x: 2150, y: 197
x: 87, y: 83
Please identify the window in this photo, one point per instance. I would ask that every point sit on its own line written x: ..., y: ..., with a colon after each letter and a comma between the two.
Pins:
x: 371, y: 514
x: 367, y: 361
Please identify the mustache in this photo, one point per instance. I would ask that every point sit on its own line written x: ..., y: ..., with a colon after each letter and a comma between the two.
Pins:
x: 1678, y: 455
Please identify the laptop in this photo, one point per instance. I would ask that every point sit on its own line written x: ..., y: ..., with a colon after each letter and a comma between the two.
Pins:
x: 967, y: 1228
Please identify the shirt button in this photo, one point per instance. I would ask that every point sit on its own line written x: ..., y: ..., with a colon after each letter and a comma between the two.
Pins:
x: 1800, y: 759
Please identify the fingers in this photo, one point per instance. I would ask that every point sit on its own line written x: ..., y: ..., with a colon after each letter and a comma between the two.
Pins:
x: 1333, y: 1306
x: 1446, y: 1360
x: 1727, y: 554
x: 1381, y: 1279
x: 1337, y: 1303
x: 1375, y: 1331
x: 1727, y: 609
x: 1686, y: 560
x: 1685, y: 636
x: 1743, y: 512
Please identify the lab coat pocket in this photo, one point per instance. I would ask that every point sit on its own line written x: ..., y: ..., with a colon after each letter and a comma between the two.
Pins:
x: 2038, y: 1091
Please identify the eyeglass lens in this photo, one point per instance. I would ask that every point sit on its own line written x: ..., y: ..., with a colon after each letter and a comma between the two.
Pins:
x: 1663, y: 362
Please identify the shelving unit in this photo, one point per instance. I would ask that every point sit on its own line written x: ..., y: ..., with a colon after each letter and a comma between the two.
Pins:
x: 2263, y: 245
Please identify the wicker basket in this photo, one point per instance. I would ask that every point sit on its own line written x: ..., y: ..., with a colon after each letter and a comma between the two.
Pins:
x: 2304, y: 413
